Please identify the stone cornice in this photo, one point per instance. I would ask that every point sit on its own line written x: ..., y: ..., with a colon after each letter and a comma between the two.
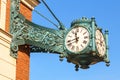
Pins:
x: 30, y: 3
x: 5, y: 38
x: 5, y: 33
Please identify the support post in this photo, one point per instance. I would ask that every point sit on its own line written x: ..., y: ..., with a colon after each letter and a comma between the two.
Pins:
x: 93, y: 34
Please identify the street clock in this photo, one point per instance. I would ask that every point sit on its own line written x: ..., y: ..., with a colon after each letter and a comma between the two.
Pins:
x: 83, y: 44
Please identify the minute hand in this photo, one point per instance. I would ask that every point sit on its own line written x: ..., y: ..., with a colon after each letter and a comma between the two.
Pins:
x: 73, y: 39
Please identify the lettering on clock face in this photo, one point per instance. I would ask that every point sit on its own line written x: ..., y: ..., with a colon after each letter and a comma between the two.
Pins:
x: 100, y: 43
x: 77, y: 39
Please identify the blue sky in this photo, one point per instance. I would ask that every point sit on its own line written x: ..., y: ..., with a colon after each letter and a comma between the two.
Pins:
x: 45, y: 66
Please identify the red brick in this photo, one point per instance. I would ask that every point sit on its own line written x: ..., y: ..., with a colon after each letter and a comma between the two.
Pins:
x: 7, y: 24
x: 23, y: 62
x: 26, y: 11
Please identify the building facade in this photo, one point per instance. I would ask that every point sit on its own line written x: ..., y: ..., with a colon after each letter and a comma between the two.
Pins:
x: 11, y: 68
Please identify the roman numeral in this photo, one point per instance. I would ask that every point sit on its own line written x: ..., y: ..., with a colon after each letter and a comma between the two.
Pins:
x: 69, y: 36
x: 77, y: 48
x: 84, y: 42
x: 70, y: 44
x: 73, y: 47
x: 80, y: 31
x: 68, y: 41
x: 85, y: 37
x: 77, y: 30
x: 84, y: 33
x: 73, y: 32
x: 81, y: 45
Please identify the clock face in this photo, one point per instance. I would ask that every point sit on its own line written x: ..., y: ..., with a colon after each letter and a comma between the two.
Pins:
x: 77, y: 39
x: 100, y: 43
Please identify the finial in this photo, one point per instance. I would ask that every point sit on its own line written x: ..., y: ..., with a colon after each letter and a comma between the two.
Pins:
x: 106, y: 32
x: 93, y: 18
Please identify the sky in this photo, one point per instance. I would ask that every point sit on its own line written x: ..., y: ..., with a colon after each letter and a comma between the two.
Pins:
x: 46, y: 66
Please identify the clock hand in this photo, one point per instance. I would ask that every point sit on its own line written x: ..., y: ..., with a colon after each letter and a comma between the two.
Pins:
x: 76, y: 40
x: 71, y: 40
x: 76, y: 37
x: 71, y: 43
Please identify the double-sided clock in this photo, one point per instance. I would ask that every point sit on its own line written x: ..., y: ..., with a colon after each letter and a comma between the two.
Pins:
x: 77, y: 39
x: 100, y: 43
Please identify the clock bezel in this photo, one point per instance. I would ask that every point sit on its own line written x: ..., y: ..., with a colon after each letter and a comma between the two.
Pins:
x: 97, y: 45
x: 87, y: 46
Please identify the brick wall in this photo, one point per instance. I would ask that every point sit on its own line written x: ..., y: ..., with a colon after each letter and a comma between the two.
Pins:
x: 23, y: 60
x: 27, y: 12
x: 7, y: 16
x: 22, y: 64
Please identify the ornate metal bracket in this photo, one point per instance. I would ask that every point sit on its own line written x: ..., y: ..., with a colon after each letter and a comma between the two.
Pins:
x: 39, y: 37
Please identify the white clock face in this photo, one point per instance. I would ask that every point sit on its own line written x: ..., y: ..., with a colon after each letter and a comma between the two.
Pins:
x: 100, y: 43
x: 77, y: 39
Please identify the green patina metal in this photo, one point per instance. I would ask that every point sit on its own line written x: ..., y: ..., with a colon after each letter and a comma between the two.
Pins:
x: 106, y: 59
x: 93, y: 33
x: 26, y: 32
x: 43, y: 39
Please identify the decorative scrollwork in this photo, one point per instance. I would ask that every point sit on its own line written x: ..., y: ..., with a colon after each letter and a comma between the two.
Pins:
x: 26, y: 32
x: 14, y: 49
